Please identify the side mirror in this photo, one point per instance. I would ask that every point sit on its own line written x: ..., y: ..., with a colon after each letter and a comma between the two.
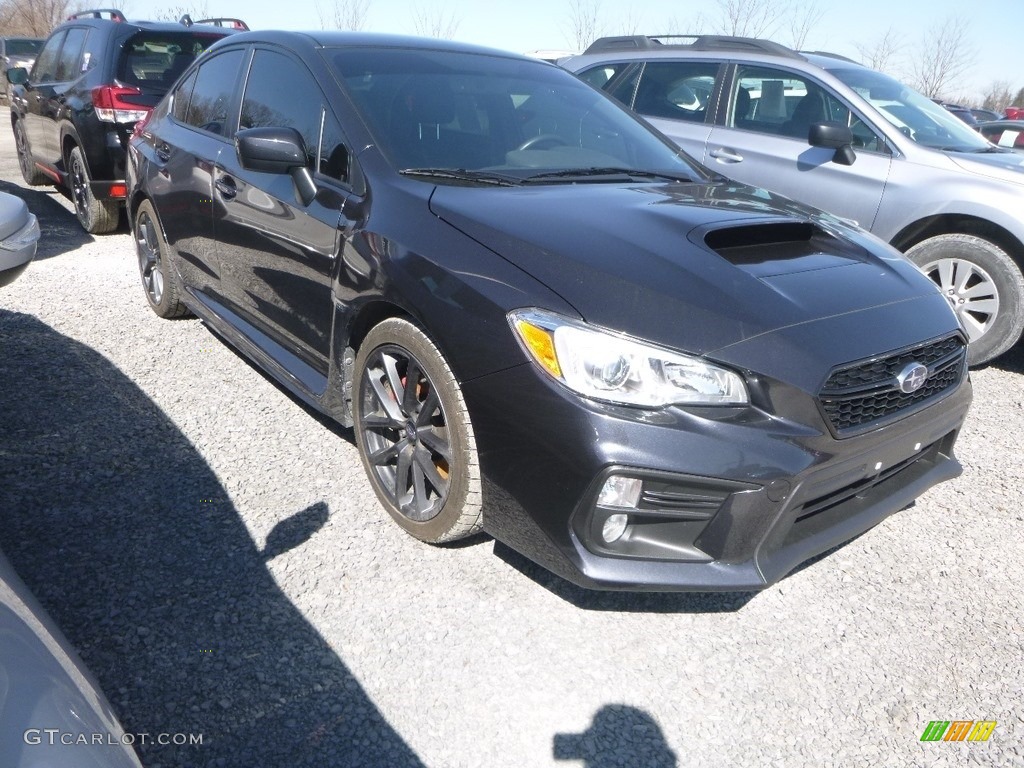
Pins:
x: 277, y: 150
x: 832, y: 135
x: 17, y: 75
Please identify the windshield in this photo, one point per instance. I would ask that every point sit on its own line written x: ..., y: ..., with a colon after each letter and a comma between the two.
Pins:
x: 916, y: 116
x: 23, y: 47
x: 498, y: 120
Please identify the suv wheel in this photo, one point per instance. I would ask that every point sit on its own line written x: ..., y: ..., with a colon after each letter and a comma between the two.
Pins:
x: 982, y: 284
x: 97, y: 217
x: 414, y: 435
x: 32, y: 175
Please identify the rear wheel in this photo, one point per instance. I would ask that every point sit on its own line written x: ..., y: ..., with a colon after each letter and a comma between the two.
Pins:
x: 97, y: 217
x: 160, y: 281
x: 32, y: 175
x: 982, y: 284
x: 414, y: 434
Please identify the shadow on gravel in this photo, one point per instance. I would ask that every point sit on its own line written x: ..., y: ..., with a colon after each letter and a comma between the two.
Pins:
x: 619, y: 735
x: 128, y: 539
x: 1012, y: 361
x: 61, y: 231
x: 625, y: 602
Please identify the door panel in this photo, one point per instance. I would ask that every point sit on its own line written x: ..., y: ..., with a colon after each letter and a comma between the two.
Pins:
x: 762, y: 141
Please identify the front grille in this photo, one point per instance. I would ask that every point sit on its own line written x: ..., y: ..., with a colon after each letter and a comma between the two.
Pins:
x: 866, y: 394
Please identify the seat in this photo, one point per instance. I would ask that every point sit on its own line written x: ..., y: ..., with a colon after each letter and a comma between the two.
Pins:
x: 810, y: 109
x: 417, y: 113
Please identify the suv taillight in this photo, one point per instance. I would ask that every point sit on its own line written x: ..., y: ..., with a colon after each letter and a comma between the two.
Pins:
x: 108, y: 100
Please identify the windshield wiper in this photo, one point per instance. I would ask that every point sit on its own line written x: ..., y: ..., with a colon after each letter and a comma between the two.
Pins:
x: 462, y: 174
x: 583, y: 173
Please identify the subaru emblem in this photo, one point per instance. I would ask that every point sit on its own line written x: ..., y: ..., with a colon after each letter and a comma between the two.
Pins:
x: 912, y: 378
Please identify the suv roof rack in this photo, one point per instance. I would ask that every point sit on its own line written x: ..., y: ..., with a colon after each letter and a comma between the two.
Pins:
x: 99, y: 13
x: 226, y: 22
x: 831, y: 55
x: 697, y: 43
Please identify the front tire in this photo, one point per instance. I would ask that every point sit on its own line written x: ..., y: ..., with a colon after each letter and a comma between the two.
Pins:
x: 97, y: 217
x: 982, y: 284
x: 414, y: 435
x: 32, y: 175
x: 159, y: 280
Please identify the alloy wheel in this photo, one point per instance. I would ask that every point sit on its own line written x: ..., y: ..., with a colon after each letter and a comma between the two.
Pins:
x: 24, y: 155
x: 405, y: 432
x: 147, y: 244
x: 80, y: 190
x: 970, y: 290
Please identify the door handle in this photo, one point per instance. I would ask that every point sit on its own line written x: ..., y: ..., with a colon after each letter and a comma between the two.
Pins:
x: 727, y: 155
x: 226, y: 186
x: 163, y: 151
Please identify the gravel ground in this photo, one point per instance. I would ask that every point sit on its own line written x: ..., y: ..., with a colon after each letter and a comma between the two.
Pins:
x: 217, y: 556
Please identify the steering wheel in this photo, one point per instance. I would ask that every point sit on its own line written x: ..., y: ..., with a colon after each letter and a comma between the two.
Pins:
x: 543, y: 141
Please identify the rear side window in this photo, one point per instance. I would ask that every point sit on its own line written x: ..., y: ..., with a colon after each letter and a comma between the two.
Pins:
x: 154, y: 60
x: 213, y: 94
x: 677, y: 90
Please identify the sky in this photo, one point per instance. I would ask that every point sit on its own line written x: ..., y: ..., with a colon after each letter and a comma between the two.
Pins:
x: 994, y: 28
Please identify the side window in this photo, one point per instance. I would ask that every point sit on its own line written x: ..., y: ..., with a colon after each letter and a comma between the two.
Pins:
x: 45, y: 69
x: 213, y: 94
x: 70, y: 55
x: 676, y: 90
x: 780, y: 103
x: 281, y: 92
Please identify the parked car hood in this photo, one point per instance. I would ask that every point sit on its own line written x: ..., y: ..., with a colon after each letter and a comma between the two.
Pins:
x: 1005, y: 166
x: 633, y: 257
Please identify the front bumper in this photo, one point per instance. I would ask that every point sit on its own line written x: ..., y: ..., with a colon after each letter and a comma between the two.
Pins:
x: 18, y: 250
x: 734, y: 498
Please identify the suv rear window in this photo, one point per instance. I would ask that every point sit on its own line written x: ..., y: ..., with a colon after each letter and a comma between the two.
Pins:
x: 154, y: 60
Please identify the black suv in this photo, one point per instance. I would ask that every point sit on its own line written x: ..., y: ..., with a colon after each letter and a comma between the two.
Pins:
x: 95, y: 77
x: 539, y: 316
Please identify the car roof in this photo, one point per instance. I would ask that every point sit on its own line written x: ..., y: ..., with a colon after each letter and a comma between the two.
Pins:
x: 711, y: 46
x: 346, y: 39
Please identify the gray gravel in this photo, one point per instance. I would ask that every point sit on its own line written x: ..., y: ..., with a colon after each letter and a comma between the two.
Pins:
x: 217, y: 556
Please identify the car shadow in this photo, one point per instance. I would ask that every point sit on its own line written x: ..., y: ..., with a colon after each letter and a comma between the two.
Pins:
x: 60, y: 230
x: 623, y: 602
x: 1012, y: 361
x: 130, y: 541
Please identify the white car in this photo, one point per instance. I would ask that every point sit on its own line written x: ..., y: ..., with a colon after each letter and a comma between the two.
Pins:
x: 19, y: 234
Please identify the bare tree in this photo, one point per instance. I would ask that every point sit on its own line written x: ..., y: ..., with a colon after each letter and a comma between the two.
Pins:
x: 433, y: 22
x: 881, y: 53
x: 998, y: 97
x: 584, y: 22
x: 748, y: 18
x: 32, y: 18
x: 175, y: 12
x: 944, y: 55
x: 630, y: 23
x: 803, y: 16
x: 345, y: 14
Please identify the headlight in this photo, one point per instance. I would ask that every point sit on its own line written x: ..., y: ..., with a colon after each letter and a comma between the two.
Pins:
x: 606, y: 366
x: 24, y: 237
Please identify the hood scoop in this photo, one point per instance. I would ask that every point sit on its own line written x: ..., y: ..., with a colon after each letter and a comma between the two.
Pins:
x: 778, y: 248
